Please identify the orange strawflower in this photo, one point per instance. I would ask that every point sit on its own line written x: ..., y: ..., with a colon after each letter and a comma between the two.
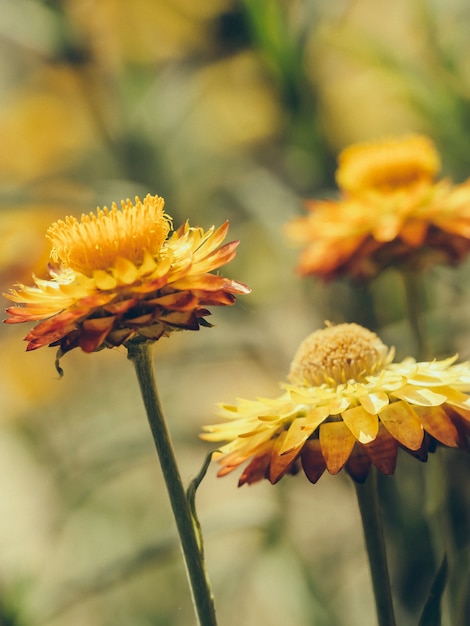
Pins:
x: 122, y: 275
x: 391, y: 211
x: 347, y: 405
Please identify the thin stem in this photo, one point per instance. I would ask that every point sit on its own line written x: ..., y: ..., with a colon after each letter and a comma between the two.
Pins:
x: 191, y: 542
x: 414, y: 294
x: 368, y: 500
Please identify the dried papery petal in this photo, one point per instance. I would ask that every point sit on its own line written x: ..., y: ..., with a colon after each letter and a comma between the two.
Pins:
x: 325, y: 422
x: 336, y: 442
x: 383, y: 451
x: 123, y: 277
x: 391, y: 211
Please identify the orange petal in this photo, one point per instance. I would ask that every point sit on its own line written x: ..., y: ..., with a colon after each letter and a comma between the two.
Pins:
x: 358, y: 464
x: 217, y: 258
x: 93, y: 332
x: 256, y: 470
x: 204, y: 282
x: 121, y: 306
x: 117, y: 337
x: 363, y: 425
x: 20, y: 314
x: 413, y: 232
x: 403, y: 423
x: 465, y: 414
x: 50, y: 338
x: 336, y: 442
x: 281, y: 463
x: 57, y: 323
x: 383, y: 451
x: 313, y: 462
x: 215, y: 298
x: 181, y: 319
x: 438, y: 424
x: 178, y: 301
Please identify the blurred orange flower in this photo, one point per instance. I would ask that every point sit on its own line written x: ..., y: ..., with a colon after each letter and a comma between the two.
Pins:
x: 121, y: 275
x: 391, y: 211
x: 347, y: 405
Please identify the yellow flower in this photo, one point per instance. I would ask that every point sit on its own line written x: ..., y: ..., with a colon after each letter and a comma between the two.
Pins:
x: 388, y: 165
x: 121, y: 275
x: 346, y: 405
x: 391, y: 211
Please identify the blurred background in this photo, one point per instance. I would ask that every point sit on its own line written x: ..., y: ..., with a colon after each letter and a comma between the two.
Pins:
x: 229, y: 109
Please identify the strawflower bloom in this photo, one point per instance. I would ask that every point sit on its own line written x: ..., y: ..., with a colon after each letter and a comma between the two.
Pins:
x: 122, y: 275
x: 391, y: 210
x: 347, y: 404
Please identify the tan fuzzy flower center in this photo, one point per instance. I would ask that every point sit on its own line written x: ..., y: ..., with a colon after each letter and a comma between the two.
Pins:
x: 337, y: 354
x: 388, y: 165
x: 99, y: 239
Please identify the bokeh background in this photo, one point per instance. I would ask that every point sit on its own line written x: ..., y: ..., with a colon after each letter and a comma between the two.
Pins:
x: 230, y: 109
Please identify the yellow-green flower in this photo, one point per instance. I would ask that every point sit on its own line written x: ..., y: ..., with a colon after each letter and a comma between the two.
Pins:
x: 120, y: 275
x: 347, y: 404
x: 392, y: 210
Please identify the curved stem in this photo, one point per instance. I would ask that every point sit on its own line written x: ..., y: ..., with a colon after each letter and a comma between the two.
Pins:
x: 187, y: 525
x: 368, y: 500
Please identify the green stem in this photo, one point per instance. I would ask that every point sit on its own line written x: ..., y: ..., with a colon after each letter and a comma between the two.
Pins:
x: 187, y: 525
x: 368, y: 500
x: 414, y: 294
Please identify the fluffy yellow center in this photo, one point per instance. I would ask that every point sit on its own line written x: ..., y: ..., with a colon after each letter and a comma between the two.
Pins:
x: 99, y: 239
x: 388, y: 165
x: 337, y: 354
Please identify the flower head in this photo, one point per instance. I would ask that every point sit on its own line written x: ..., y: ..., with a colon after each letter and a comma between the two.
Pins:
x: 122, y: 275
x: 347, y: 404
x: 391, y: 211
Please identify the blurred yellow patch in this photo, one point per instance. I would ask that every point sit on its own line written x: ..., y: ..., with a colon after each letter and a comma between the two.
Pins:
x: 236, y: 106
x: 143, y: 31
x: 44, y: 126
x: 24, y: 248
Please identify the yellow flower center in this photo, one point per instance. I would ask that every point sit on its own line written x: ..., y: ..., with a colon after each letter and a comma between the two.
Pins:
x: 337, y: 354
x: 99, y: 239
x: 387, y: 165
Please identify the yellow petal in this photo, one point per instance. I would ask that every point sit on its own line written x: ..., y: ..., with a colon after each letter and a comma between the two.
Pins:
x: 104, y: 280
x: 456, y: 398
x: 299, y: 431
x: 374, y: 402
x: 316, y: 416
x: 420, y: 396
x: 403, y: 424
x: 125, y: 271
x: 338, y: 405
x: 148, y: 264
x: 363, y: 425
x: 337, y: 442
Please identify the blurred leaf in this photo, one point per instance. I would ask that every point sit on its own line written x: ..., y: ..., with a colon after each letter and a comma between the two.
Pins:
x: 118, y: 572
x: 431, y: 615
x: 10, y: 609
